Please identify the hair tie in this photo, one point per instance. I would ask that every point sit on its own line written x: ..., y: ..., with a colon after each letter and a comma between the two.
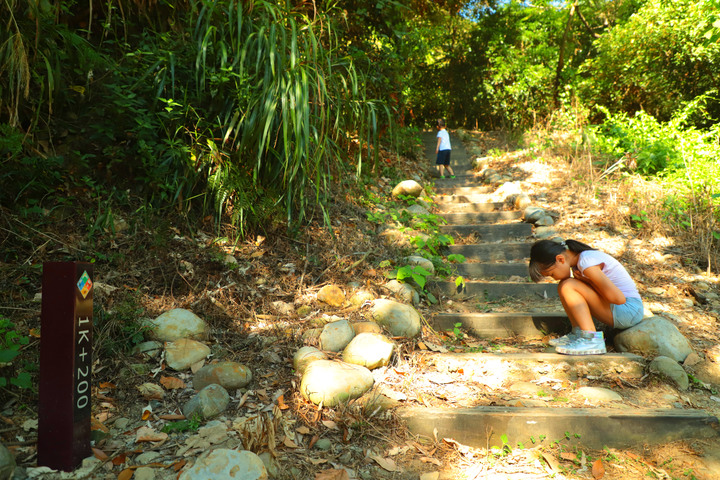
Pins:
x: 563, y: 244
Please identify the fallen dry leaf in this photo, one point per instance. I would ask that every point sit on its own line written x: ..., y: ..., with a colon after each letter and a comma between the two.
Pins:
x: 119, y: 459
x: 330, y: 424
x: 303, y: 430
x: 95, y: 424
x: 178, y: 465
x: 107, y: 385
x: 126, y: 474
x: 99, y: 454
x: 434, y: 461
x: 151, y: 391
x: 551, y: 461
x: 332, y: 474
x: 289, y: 443
x: 172, y: 383
x: 568, y: 456
x: 386, y: 463
x: 317, y: 461
x: 147, y: 434
x: 598, y: 470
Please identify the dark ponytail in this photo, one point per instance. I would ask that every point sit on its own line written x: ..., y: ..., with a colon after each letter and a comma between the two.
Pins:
x: 543, y: 253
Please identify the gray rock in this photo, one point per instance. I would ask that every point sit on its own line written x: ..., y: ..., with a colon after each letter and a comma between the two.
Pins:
x: 7, y: 463
x: 209, y: 402
x: 144, y: 473
x: 669, y: 368
x: 229, y: 375
x: 146, y: 457
x: 360, y: 296
x: 545, y: 221
x: 652, y: 337
x: 366, y: 327
x: 544, y: 232
x: 522, y: 201
x: 598, y: 395
x: 311, y: 335
x: 331, y: 383
x: 151, y: 349
x: 403, y: 292
x: 183, y: 353
x: 407, y: 187
x: 226, y: 464
x: 270, y: 464
x: 533, y: 214
x: 417, y: 210
x: 416, y: 260
x: 371, y: 350
x: 324, y: 444
x: 176, y: 324
x: 401, y: 320
x: 336, y: 335
x: 332, y: 295
x: 305, y: 356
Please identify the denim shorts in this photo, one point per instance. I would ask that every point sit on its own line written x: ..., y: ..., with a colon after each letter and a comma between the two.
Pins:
x: 628, y: 314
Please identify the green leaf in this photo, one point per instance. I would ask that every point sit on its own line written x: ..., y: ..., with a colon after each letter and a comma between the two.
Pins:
x: 6, y: 356
x: 23, y: 380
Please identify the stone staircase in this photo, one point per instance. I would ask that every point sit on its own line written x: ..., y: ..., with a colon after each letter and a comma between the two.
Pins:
x: 527, y: 391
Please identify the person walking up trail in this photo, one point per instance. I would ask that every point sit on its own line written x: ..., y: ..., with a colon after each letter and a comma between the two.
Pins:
x: 443, y: 150
x: 592, y: 284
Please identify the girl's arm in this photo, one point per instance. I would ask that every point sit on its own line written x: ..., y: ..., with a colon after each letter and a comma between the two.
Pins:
x: 602, y: 284
x: 437, y: 148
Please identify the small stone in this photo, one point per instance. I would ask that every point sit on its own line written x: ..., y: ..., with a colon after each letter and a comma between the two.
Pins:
x: 403, y: 292
x: 283, y: 308
x: 525, y: 388
x: 371, y: 350
x: 407, y: 187
x: 176, y: 324
x: 598, y: 395
x: 669, y: 368
x: 146, y: 458
x: 226, y: 464
x: 522, y: 201
x: 656, y: 290
x: 144, y: 473
x: 332, y: 295
x: 183, y: 353
x: 305, y: 356
x: 361, y: 296
x: 331, y: 383
x: 336, y: 335
x: 692, y: 359
x: 324, y: 444
x: 416, y: 260
x: 209, y: 402
x: 151, y: 349
x: 400, y: 319
x: 366, y: 327
x: 304, y: 310
x: 230, y: 375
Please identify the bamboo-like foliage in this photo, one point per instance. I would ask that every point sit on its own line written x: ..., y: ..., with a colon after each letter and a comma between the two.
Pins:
x: 287, y: 105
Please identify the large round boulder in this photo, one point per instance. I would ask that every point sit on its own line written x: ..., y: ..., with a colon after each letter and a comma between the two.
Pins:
x: 654, y: 336
x: 399, y: 319
x: 331, y: 383
x: 175, y: 324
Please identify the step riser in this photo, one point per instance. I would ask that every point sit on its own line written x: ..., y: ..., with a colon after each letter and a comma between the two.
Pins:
x: 462, y: 190
x: 533, y: 366
x: 480, y: 270
x: 492, y: 326
x: 493, y: 253
x: 493, y: 291
x: 470, y: 198
x: 491, y: 233
x: 473, y: 218
x: 596, y: 428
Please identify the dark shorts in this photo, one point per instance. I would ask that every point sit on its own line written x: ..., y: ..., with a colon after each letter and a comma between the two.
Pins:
x: 443, y: 157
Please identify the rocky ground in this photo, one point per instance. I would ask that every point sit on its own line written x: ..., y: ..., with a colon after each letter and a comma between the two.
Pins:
x: 250, y: 293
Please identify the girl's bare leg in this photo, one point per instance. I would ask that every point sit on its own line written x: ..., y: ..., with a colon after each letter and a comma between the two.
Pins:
x: 582, y: 302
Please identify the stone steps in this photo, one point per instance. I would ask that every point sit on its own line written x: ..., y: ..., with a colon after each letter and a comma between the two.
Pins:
x: 625, y: 424
x: 501, y: 325
x: 490, y: 233
x: 470, y: 218
x: 591, y: 427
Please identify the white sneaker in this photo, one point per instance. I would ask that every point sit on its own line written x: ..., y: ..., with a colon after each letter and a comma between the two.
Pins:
x: 565, y: 339
x: 587, y: 343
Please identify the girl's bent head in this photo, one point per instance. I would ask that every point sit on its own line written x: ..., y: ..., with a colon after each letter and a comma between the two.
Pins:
x: 543, y: 255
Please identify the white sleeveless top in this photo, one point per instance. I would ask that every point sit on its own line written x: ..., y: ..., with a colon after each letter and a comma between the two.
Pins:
x: 444, y: 140
x: 612, y: 269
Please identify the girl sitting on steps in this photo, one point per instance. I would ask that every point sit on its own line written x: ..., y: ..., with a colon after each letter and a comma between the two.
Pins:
x: 599, y: 288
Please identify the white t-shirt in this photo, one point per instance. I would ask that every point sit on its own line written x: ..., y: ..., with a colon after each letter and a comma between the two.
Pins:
x: 444, y: 140
x: 612, y: 269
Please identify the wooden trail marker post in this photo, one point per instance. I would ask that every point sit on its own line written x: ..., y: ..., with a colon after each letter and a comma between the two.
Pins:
x: 65, y: 365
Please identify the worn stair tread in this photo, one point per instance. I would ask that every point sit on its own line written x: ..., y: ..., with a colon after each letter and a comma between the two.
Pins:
x: 469, y: 218
x: 466, y: 198
x: 492, y: 232
x: 493, y: 251
x: 453, y: 207
x: 591, y: 427
x: 505, y: 324
x: 492, y: 290
x: 462, y: 189
x: 478, y: 270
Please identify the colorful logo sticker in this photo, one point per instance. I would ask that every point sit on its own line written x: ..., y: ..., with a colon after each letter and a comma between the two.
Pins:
x: 84, y: 284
